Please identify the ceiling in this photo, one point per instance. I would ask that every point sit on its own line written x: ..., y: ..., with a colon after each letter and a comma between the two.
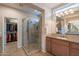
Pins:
x: 22, y: 7
x: 47, y: 5
x: 30, y: 10
x: 41, y: 5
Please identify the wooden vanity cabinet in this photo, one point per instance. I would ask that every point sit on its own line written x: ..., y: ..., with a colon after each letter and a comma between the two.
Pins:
x: 60, y: 48
x: 57, y: 47
x: 74, y: 49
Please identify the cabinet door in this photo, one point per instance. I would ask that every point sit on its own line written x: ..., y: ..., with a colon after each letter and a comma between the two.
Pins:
x: 59, y: 49
x: 74, y: 49
x: 48, y: 45
x: 74, y: 52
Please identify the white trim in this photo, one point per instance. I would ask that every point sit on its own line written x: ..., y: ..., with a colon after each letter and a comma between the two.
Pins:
x: 3, y: 35
x: 19, y: 42
x: 19, y: 39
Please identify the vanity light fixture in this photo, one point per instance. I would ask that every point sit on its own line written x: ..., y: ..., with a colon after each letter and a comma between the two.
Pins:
x: 71, y: 11
x: 62, y: 14
x: 66, y: 12
x: 58, y: 15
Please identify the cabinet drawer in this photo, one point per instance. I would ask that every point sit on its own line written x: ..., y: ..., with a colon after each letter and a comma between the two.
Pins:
x: 74, y: 52
x: 74, y: 45
x: 61, y: 42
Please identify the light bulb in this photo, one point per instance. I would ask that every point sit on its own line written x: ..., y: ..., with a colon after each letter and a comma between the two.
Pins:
x: 66, y: 12
x: 71, y: 11
x: 62, y: 14
x: 58, y: 15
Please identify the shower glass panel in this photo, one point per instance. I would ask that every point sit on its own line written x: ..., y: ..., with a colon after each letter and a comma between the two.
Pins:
x: 31, y: 41
x: 24, y: 36
x: 1, y: 25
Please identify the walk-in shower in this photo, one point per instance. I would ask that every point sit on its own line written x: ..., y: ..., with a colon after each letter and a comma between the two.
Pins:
x: 31, y: 35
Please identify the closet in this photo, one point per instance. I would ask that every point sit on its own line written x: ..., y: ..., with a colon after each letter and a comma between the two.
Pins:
x: 11, y: 31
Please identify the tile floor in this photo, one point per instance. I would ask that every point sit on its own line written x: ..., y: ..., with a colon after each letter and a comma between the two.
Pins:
x: 39, y: 53
x: 12, y: 50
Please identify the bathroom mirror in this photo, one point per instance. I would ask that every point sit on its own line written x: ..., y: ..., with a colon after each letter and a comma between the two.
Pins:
x: 67, y: 19
x: 73, y: 26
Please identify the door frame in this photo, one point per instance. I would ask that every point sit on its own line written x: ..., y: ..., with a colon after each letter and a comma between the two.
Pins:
x: 42, y: 24
x: 23, y: 29
x: 23, y: 20
x: 4, y: 32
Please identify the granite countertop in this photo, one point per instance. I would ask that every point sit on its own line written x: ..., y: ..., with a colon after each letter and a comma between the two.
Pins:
x: 70, y: 38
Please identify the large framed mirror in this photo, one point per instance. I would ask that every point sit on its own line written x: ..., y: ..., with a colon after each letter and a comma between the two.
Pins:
x: 67, y: 19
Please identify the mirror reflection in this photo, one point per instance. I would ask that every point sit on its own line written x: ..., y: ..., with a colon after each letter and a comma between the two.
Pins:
x: 67, y: 19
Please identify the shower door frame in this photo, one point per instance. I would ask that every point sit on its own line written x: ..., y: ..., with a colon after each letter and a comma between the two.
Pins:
x: 27, y: 36
x: 23, y: 36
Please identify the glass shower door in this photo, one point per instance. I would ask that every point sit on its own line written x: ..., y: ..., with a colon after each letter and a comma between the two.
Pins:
x: 31, y: 41
x: 33, y: 31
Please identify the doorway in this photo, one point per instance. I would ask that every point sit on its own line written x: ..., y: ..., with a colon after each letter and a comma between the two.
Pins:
x: 10, y: 35
x: 31, y: 35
